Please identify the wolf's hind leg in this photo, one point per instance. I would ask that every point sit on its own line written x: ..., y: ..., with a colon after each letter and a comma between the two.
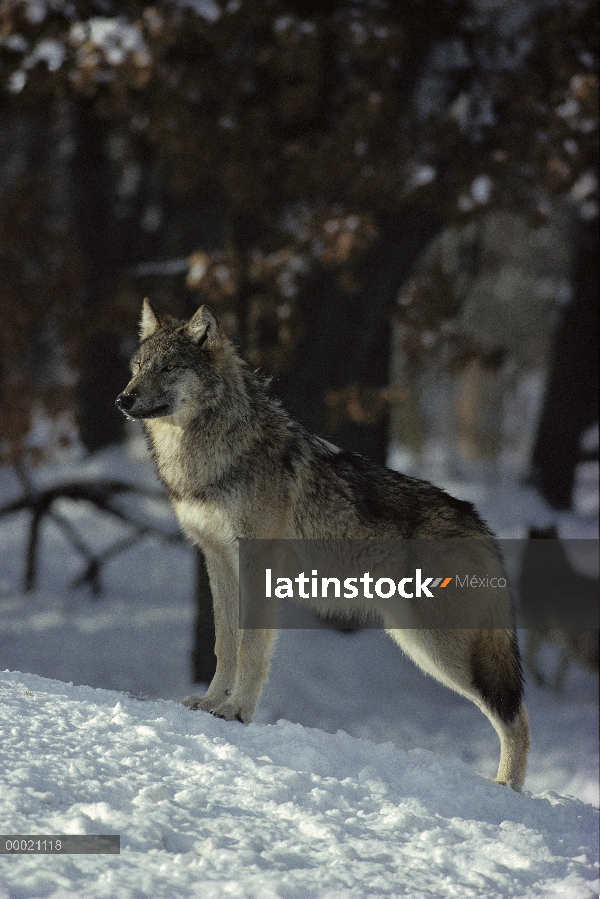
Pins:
x: 483, y: 666
x: 514, y: 746
x: 497, y: 678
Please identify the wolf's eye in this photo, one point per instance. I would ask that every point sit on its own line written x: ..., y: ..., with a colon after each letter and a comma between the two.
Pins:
x: 168, y: 367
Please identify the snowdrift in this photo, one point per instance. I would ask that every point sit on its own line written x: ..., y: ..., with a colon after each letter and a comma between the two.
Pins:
x: 213, y: 809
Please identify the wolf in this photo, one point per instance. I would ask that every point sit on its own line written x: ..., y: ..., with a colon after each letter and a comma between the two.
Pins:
x: 237, y: 466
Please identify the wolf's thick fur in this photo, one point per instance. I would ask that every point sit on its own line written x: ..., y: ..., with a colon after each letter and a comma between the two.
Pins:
x: 237, y: 466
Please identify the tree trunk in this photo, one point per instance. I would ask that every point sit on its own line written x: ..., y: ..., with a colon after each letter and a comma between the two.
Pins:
x: 104, y: 371
x: 204, y: 661
x: 571, y: 402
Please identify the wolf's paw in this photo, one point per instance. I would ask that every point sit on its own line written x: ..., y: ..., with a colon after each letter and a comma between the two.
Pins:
x: 204, y: 703
x: 231, y: 711
x: 191, y: 701
x: 504, y: 783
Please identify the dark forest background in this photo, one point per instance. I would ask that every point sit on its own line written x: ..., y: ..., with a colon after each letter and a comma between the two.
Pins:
x: 288, y: 163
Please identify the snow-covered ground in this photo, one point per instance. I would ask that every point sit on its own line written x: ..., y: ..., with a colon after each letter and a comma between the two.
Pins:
x: 213, y: 809
x: 359, y: 776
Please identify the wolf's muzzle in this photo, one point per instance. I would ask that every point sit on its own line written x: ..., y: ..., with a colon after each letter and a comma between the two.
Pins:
x: 126, y: 401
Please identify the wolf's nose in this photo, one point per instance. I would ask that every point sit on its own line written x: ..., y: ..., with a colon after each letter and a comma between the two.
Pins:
x: 125, y: 401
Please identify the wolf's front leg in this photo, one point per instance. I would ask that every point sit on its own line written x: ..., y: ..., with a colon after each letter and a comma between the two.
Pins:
x: 224, y: 589
x: 252, y: 669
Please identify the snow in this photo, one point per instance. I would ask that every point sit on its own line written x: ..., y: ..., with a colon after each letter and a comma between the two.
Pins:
x: 586, y: 184
x: 481, y: 189
x: 17, y: 81
x: 50, y: 51
x: 359, y: 777
x: 422, y: 175
x: 114, y: 36
x: 210, y: 808
x: 206, y: 9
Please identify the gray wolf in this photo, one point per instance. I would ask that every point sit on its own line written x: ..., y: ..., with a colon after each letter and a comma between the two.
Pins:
x: 236, y: 465
x: 547, y: 580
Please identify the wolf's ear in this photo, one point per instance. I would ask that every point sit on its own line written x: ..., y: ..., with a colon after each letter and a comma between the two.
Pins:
x: 202, y: 327
x: 149, y: 322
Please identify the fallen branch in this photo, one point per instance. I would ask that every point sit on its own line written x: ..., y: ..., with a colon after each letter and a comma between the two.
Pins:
x: 102, y: 494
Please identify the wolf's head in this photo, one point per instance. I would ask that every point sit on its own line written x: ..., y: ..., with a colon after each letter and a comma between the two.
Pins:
x: 178, y: 367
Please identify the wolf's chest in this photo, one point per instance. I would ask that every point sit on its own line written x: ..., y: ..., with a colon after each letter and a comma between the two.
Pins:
x: 176, y: 467
x: 166, y: 439
x: 204, y: 522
